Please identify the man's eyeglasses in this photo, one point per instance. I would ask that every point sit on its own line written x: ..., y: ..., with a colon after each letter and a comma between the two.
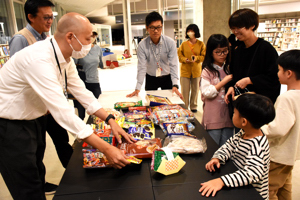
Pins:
x: 219, y: 53
x: 48, y: 18
x: 236, y: 29
x: 153, y: 28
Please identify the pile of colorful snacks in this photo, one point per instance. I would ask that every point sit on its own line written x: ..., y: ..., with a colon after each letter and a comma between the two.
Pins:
x: 173, y: 119
x: 157, y: 100
x: 163, y: 113
x: 185, y: 144
x: 122, y: 105
x: 137, y: 123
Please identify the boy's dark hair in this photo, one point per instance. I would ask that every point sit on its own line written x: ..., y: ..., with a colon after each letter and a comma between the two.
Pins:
x: 32, y: 6
x: 152, y: 17
x: 192, y: 27
x: 290, y: 60
x: 244, y: 18
x: 213, y: 42
x: 257, y: 109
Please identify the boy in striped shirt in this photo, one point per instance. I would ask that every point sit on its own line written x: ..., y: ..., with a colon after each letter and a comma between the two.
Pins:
x: 248, y: 149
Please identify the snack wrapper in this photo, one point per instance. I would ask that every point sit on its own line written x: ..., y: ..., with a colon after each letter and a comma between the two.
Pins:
x: 185, y: 145
x: 140, y: 108
x: 144, y: 129
x: 127, y: 124
x: 176, y: 128
x: 93, y: 158
x: 121, y: 105
x: 104, y: 134
x: 134, y: 160
x: 160, y: 114
x: 157, y: 100
x: 135, y: 116
x: 141, y: 149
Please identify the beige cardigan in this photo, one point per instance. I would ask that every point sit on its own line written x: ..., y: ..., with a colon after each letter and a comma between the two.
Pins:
x: 284, y: 131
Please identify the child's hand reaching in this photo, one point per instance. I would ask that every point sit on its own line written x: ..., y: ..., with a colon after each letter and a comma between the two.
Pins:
x: 210, y: 165
x: 227, y: 78
x: 211, y: 187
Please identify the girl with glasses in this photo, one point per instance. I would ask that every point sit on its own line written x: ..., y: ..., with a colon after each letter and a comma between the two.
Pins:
x: 214, y: 77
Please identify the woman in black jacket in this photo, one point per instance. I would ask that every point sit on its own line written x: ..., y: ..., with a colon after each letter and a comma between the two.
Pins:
x: 253, y: 64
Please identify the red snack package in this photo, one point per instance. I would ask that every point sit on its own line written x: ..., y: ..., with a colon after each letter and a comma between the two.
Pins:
x: 141, y: 149
x: 140, y: 108
x: 104, y: 134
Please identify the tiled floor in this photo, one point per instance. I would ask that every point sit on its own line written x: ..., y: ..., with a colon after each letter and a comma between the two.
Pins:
x: 123, y: 78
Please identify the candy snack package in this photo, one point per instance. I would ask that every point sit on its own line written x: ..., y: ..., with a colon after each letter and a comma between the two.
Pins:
x: 160, y: 114
x: 140, y: 108
x: 134, y: 160
x: 93, y: 158
x: 141, y: 149
x: 135, y: 116
x: 176, y: 128
x: 127, y: 124
x: 104, y: 134
x: 185, y: 144
x: 166, y: 162
x: 157, y: 100
x: 143, y: 129
x: 121, y: 105
x: 190, y: 126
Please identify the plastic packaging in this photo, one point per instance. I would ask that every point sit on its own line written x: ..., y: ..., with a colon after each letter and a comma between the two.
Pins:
x: 185, y: 144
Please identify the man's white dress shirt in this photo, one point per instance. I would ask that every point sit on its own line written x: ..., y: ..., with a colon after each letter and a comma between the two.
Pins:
x: 31, y: 84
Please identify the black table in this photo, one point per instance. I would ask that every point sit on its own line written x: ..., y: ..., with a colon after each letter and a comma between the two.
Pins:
x: 139, y: 182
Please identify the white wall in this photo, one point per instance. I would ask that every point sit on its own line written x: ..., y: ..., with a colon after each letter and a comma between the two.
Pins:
x: 278, y: 8
x: 137, y: 30
x: 169, y: 29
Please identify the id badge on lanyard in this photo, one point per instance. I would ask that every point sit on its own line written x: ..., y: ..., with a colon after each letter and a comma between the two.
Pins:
x: 159, y: 69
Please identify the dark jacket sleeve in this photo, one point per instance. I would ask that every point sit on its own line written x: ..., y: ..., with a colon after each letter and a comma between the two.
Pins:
x: 265, y: 82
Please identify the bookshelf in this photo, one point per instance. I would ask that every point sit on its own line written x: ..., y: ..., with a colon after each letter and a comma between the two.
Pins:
x: 4, y: 54
x: 282, y: 33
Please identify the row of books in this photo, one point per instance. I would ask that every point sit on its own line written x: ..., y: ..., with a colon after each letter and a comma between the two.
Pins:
x: 4, y: 55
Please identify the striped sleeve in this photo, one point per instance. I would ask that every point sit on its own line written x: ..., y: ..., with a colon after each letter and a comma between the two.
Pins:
x: 252, y: 160
x: 226, y: 150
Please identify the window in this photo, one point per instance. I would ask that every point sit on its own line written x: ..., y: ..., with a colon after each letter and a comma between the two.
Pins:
x: 5, y: 24
x: 20, y: 15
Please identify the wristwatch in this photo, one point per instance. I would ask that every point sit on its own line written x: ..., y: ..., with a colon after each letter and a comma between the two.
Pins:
x: 109, y: 117
x: 176, y: 86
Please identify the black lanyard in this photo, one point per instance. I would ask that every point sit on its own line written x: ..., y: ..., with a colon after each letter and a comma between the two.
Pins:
x: 65, y: 88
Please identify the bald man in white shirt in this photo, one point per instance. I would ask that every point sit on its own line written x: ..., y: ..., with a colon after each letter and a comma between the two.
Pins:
x: 34, y: 82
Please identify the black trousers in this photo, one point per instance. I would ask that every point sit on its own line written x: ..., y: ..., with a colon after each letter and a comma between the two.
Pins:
x: 22, y: 148
x: 163, y: 82
x: 95, y: 89
x: 60, y: 140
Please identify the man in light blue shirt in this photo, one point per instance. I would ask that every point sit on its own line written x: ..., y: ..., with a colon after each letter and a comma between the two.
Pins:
x: 157, y: 59
x: 39, y: 17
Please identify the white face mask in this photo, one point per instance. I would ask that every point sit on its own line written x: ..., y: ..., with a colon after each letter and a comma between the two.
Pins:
x: 191, y: 35
x: 83, y: 52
